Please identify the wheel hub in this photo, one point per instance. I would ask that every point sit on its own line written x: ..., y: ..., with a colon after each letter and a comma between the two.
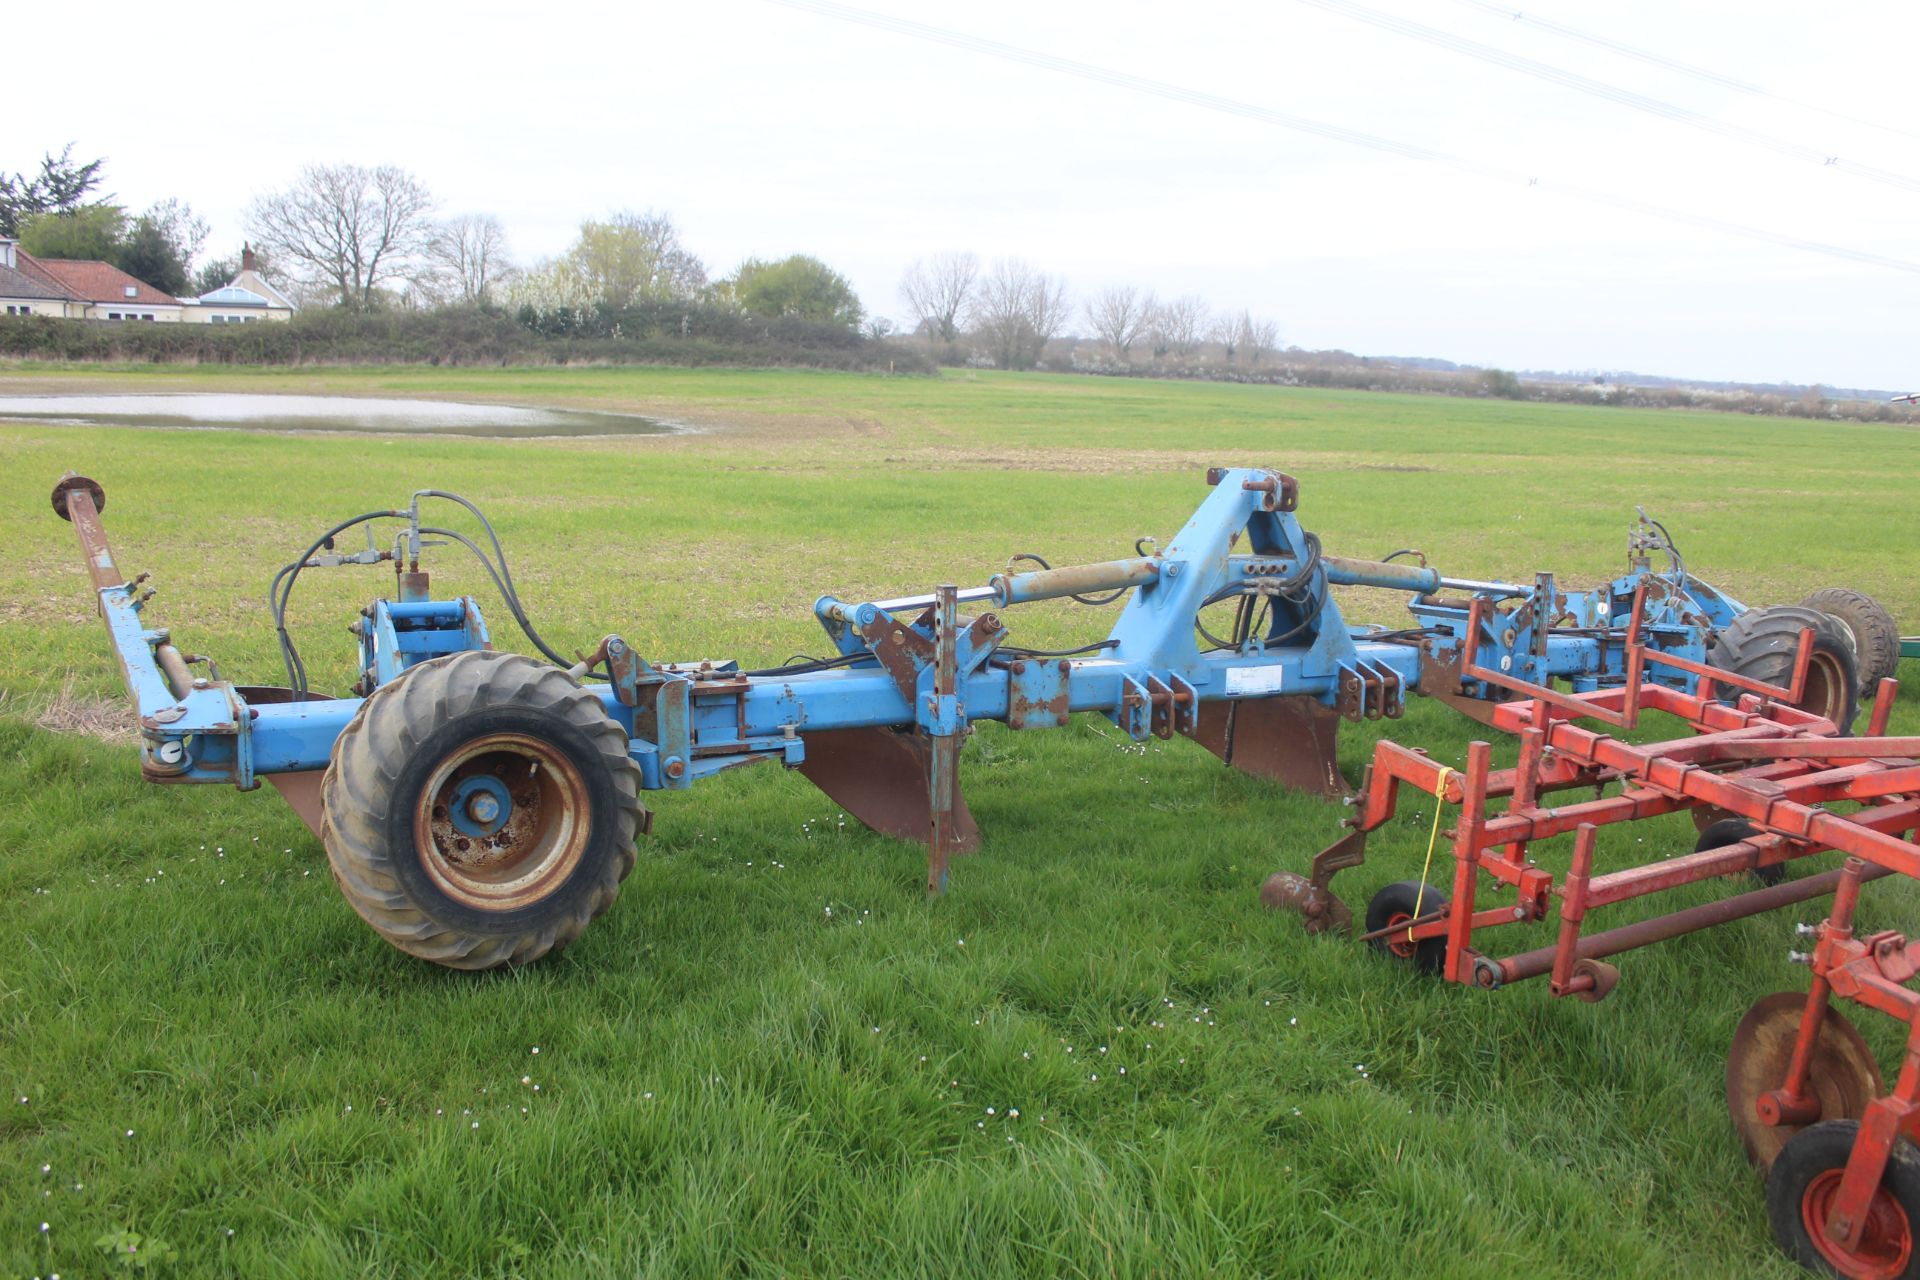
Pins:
x: 1886, y: 1240
x: 481, y: 805
x: 501, y: 820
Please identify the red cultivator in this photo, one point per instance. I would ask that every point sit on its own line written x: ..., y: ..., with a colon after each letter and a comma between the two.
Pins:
x: 1766, y: 784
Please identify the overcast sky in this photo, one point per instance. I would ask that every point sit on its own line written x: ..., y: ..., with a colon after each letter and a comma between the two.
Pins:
x: 766, y: 130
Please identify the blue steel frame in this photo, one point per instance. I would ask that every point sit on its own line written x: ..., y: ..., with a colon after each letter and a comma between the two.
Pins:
x: 686, y: 722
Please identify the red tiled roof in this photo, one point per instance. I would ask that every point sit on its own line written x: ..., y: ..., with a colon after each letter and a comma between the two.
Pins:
x: 18, y: 284
x: 30, y: 266
x: 99, y: 282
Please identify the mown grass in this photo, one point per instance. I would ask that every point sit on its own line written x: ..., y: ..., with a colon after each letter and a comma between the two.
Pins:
x: 774, y: 1056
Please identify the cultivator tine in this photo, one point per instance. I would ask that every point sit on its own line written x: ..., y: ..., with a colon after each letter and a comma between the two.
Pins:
x: 880, y: 777
x: 1287, y: 740
x: 1311, y: 897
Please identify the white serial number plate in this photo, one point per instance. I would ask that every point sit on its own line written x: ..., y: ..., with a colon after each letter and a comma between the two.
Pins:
x: 1246, y: 680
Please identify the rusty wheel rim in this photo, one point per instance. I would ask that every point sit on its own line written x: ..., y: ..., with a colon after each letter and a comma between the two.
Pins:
x: 1396, y: 940
x: 502, y: 821
x: 1826, y: 691
x: 1842, y: 1074
x: 1886, y: 1239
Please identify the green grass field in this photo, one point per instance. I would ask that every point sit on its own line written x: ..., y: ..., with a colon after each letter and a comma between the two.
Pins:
x: 1095, y: 1056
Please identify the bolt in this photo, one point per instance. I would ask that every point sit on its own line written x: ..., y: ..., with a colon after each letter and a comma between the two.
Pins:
x: 1064, y: 665
x: 1019, y: 668
x: 484, y: 807
x: 676, y: 767
x: 1805, y: 930
x: 1519, y: 913
x: 616, y: 647
x: 1799, y: 957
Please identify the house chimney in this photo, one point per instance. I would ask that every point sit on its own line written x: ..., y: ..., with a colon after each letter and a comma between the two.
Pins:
x: 247, y: 262
x: 7, y: 258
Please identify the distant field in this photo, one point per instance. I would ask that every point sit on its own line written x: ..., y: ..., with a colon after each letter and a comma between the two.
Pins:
x: 774, y: 1056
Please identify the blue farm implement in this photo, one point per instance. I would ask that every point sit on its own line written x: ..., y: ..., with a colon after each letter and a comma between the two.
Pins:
x: 479, y: 808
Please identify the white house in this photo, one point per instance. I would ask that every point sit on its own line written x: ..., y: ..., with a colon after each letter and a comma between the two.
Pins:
x: 246, y: 298
x: 31, y: 294
x: 75, y: 289
x: 88, y: 290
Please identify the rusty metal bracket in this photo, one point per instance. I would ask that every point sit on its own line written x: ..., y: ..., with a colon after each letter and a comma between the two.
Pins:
x: 1160, y: 707
x: 1037, y: 693
x: 1134, y: 714
x: 1186, y: 705
x: 906, y: 650
x: 1368, y: 691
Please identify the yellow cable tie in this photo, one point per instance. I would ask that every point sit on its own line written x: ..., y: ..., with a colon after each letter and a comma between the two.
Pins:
x: 1433, y: 839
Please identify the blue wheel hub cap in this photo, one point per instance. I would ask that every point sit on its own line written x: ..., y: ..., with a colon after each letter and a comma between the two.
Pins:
x: 481, y: 806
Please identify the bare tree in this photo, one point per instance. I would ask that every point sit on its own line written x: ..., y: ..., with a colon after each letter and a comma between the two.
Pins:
x: 1016, y: 311
x: 1226, y: 332
x: 1119, y: 315
x: 1258, y: 336
x: 345, y: 227
x: 938, y: 290
x: 469, y: 254
x: 1179, y: 325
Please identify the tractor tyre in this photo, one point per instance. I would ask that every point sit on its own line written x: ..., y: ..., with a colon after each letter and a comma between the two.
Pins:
x: 1871, y: 629
x: 1802, y: 1185
x: 481, y: 810
x: 1761, y: 644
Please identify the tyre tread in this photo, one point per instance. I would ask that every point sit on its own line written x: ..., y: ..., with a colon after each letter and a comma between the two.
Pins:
x: 1761, y: 645
x: 357, y: 795
x: 1878, y: 654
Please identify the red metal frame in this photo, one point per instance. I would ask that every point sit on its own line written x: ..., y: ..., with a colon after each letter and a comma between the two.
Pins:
x: 1763, y: 760
x: 1871, y: 971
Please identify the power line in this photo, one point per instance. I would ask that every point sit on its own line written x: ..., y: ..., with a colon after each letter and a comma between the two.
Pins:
x: 1266, y: 115
x: 1672, y: 64
x: 1611, y: 93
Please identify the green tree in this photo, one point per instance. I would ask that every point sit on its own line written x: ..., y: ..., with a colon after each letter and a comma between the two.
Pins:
x: 149, y: 254
x: 91, y: 231
x: 631, y: 258
x: 161, y: 245
x: 213, y: 274
x: 60, y: 187
x: 799, y: 286
x: 1498, y: 382
x: 184, y: 230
